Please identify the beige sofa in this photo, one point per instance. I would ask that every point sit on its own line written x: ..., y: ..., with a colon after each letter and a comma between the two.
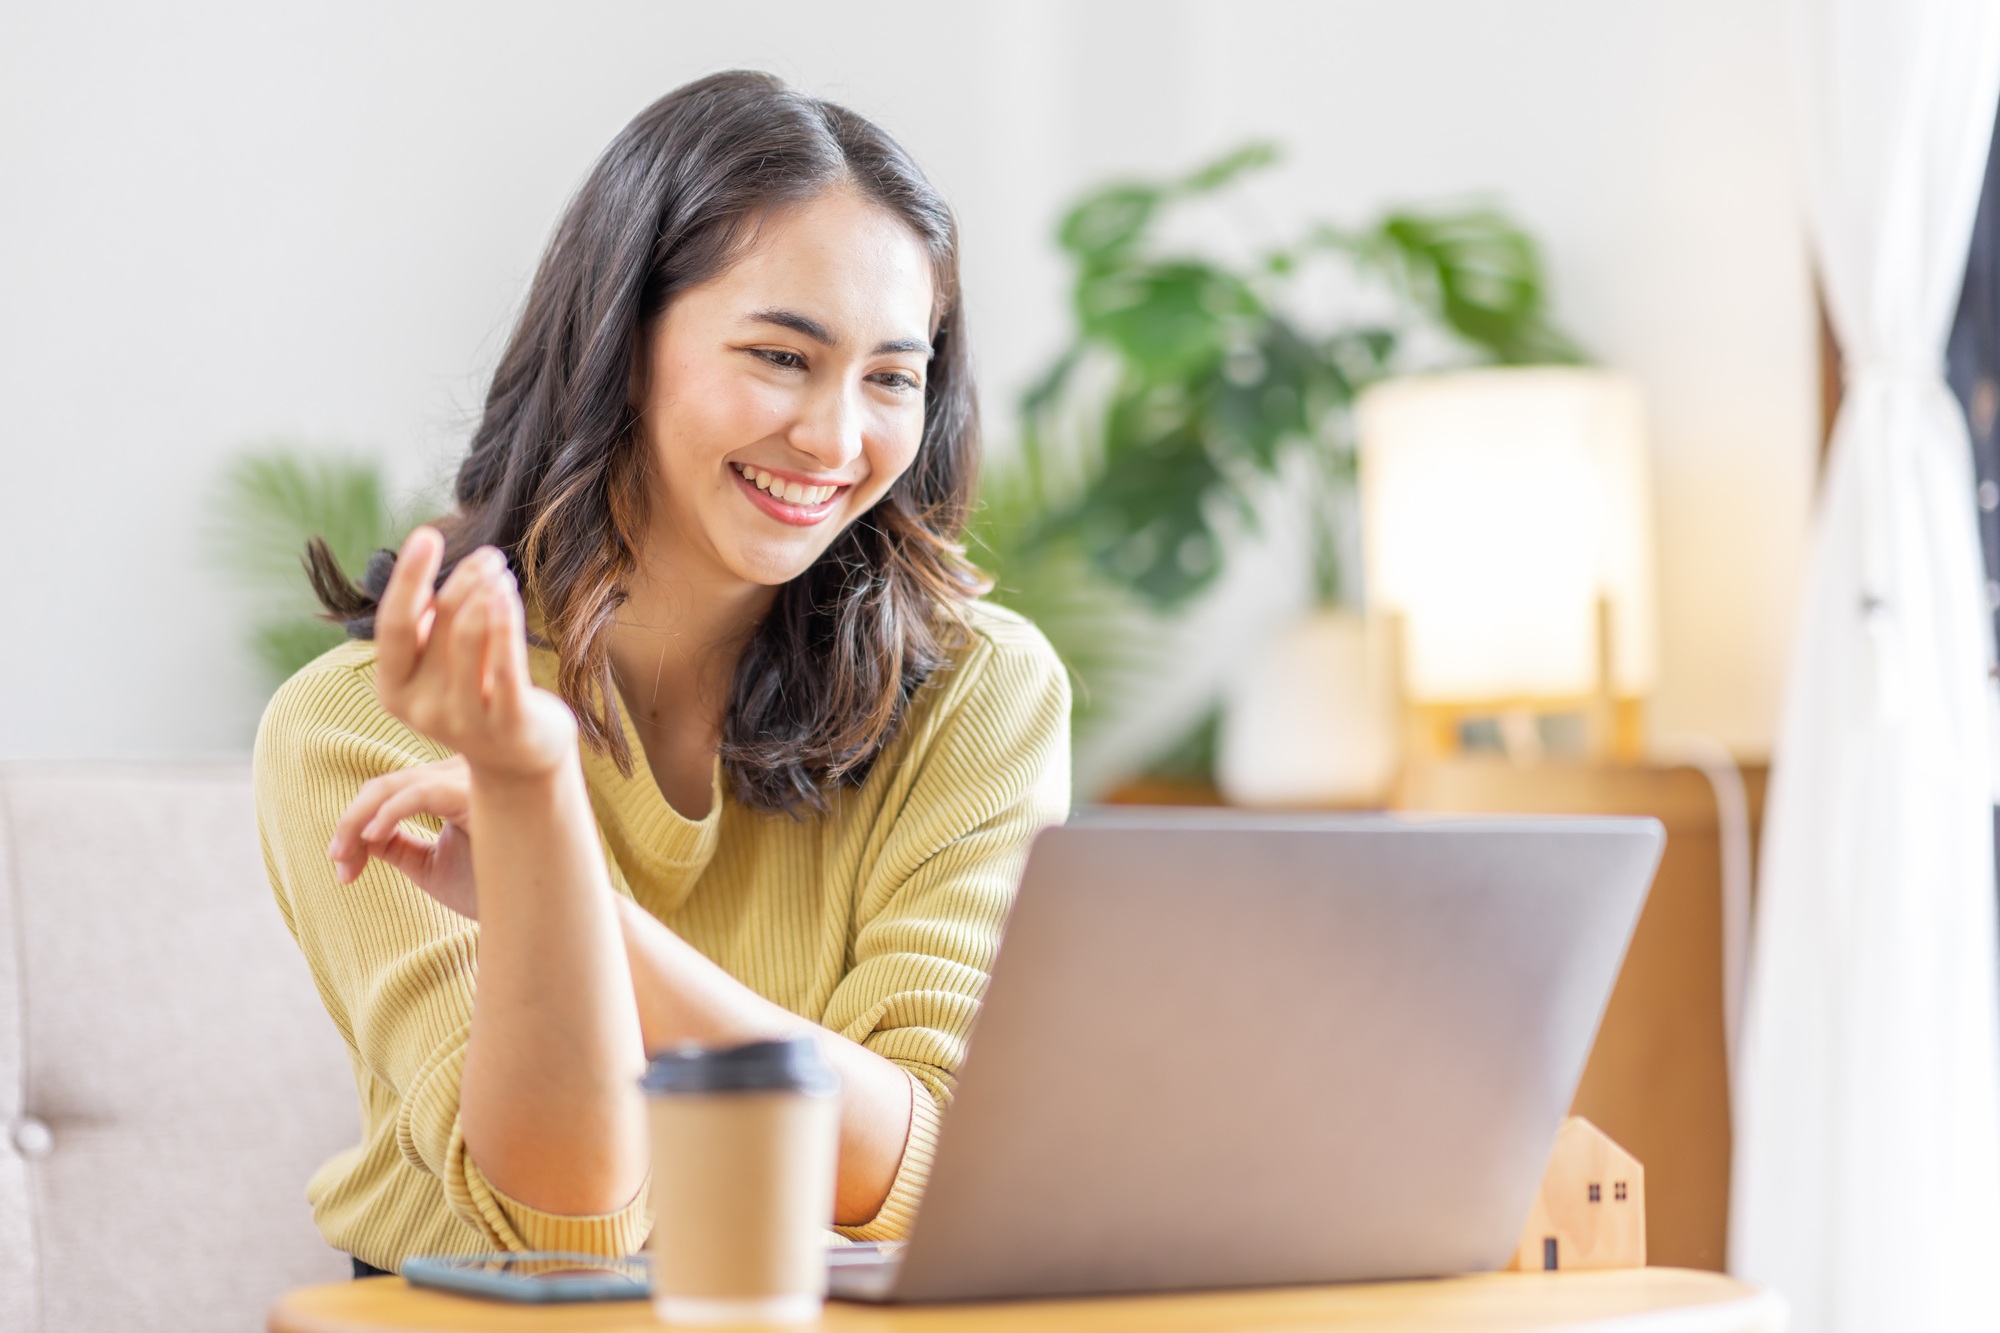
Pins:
x: 167, y: 1078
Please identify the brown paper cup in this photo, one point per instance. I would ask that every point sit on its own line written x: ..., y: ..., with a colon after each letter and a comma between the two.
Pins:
x: 743, y: 1180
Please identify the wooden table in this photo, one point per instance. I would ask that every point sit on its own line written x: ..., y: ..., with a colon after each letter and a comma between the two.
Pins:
x: 1657, y: 1300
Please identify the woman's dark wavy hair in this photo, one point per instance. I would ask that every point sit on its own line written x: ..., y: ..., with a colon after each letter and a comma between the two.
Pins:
x: 557, y: 474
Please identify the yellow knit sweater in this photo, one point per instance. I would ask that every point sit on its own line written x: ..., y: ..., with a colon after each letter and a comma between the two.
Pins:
x: 878, y: 921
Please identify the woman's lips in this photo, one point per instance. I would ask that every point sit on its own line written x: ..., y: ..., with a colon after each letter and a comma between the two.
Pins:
x: 799, y: 515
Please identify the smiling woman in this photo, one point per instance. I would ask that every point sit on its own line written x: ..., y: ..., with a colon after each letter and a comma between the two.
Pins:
x: 705, y: 732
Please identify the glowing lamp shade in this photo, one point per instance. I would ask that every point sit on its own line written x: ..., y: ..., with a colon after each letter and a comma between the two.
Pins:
x: 1500, y: 509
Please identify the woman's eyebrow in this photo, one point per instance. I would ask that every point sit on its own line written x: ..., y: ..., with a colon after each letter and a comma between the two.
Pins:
x: 797, y: 323
x: 819, y: 333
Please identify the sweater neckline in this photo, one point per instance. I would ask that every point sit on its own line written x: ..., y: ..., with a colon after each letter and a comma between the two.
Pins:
x: 660, y: 850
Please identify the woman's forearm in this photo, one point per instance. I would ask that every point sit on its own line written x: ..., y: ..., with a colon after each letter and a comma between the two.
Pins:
x: 549, y: 1101
x: 685, y: 997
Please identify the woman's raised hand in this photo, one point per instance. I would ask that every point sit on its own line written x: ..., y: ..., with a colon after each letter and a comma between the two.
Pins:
x: 453, y: 664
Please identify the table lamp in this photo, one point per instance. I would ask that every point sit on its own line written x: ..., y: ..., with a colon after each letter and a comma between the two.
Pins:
x: 1507, y: 537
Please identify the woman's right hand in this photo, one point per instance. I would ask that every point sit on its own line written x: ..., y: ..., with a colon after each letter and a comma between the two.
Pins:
x: 372, y: 826
x: 453, y: 664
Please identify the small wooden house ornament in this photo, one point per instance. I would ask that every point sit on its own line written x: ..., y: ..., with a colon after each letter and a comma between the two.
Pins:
x: 1591, y: 1210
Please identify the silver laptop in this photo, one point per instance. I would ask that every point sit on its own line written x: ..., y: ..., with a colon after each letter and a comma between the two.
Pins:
x: 1223, y: 1049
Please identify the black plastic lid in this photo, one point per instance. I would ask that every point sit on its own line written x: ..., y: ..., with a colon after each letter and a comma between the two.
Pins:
x: 792, y: 1065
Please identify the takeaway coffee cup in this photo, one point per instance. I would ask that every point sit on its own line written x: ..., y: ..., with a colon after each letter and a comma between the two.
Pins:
x: 744, y: 1152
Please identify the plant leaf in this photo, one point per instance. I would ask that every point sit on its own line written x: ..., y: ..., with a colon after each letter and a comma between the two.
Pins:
x: 1482, y: 276
x: 1224, y: 170
x: 1168, y: 319
x: 269, y: 501
x: 1106, y: 224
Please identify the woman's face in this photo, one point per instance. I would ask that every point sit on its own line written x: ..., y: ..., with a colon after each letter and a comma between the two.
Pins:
x: 783, y: 397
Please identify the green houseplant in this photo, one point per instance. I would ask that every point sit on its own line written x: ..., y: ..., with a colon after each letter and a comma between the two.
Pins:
x: 268, y: 501
x: 1191, y: 390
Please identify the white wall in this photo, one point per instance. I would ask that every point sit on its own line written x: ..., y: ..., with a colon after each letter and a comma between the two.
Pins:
x: 223, y: 222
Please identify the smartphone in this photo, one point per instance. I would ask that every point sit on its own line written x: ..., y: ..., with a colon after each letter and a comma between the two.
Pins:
x: 534, y: 1277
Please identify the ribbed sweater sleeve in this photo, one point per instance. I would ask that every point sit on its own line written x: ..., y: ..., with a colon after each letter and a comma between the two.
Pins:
x: 932, y: 905
x: 395, y: 969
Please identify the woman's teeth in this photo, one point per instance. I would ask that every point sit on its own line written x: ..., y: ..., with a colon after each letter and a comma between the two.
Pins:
x: 789, y: 491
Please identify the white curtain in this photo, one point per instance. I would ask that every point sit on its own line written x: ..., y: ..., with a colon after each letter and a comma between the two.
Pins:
x: 1867, y: 1167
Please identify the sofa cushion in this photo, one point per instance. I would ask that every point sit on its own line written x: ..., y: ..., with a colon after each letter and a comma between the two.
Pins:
x: 167, y: 1034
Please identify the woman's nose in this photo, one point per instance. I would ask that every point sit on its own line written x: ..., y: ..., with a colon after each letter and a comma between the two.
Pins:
x: 829, y: 430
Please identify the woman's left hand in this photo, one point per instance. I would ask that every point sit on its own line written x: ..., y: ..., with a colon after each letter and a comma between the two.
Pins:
x: 372, y: 826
